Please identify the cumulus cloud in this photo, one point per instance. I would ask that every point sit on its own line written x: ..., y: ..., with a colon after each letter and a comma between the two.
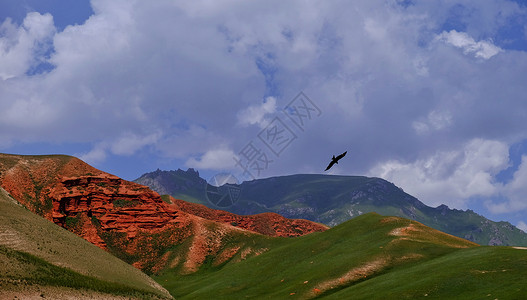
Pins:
x: 129, y: 143
x: 481, y: 49
x: 450, y: 177
x: 121, y: 73
x: 16, y: 112
x: 185, y: 142
x: 22, y: 47
x: 215, y: 159
x: 434, y: 121
x: 256, y: 114
x: 392, y: 84
x: 522, y: 226
x: 96, y: 155
x: 514, y: 191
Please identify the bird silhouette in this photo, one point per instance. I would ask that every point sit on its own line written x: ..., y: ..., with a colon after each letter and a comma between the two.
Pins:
x: 335, y: 160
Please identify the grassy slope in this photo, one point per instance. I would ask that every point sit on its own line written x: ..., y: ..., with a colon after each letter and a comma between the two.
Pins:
x: 39, y: 252
x: 476, y: 273
x: 363, y: 255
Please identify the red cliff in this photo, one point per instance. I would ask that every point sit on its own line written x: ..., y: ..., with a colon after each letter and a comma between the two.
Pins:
x: 129, y: 219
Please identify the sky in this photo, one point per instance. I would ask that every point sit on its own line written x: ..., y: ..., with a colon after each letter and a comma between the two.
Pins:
x: 430, y: 95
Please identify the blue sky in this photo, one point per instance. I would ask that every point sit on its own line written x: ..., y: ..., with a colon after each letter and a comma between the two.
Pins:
x: 430, y: 95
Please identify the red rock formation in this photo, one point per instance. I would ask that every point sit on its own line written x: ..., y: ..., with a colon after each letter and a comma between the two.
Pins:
x: 126, y: 218
x: 266, y: 223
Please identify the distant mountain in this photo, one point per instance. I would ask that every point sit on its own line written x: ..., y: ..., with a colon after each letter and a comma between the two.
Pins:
x: 133, y: 222
x: 38, y: 259
x: 332, y: 200
x: 177, y: 183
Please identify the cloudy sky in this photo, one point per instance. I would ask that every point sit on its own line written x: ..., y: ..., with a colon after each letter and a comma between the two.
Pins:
x: 431, y: 95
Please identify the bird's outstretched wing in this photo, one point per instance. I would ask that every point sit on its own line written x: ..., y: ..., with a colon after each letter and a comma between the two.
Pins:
x: 341, y: 156
x: 330, y: 165
x: 335, y: 160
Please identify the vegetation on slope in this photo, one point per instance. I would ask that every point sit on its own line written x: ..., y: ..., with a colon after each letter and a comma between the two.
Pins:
x: 21, y: 269
x: 320, y: 264
x: 34, y: 251
x: 476, y: 273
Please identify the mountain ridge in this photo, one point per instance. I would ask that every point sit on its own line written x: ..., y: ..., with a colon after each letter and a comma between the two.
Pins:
x: 333, y: 199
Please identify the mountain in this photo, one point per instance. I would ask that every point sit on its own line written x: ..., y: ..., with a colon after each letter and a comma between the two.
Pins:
x: 38, y: 259
x: 131, y: 221
x: 176, y: 183
x: 332, y: 200
x: 196, y: 252
x: 368, y: 257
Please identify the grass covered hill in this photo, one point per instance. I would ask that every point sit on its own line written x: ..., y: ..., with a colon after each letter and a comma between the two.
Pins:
x: 331, y: 200
x: 38, y: 258
x: 368, y: 257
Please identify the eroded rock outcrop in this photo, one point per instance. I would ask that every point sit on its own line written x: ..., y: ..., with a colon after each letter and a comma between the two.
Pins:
x: 270, y: 224
x: 130, y: 220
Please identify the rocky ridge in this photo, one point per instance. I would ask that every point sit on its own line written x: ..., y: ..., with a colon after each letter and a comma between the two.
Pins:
x: 128, y: 219
x: 270, y: 224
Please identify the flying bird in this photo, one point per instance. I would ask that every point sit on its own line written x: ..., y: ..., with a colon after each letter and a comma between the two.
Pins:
x: 335, y: 160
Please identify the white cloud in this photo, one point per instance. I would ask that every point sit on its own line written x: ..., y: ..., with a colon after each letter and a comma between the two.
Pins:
x: 522, y: 226
x: 129, y: 143
x: 215, y: 159
x: 184, y: 142
x: 420, y: 127
x: 134, y: 76
x: 439, y: 120
x: 481, y: 49
x: 376, y: 29
x: 514, y: 191
x: 23, y: 47
x: 16, y: 113
x: 255, y: 114
x: 450, y: 177
x: 435, y: 120
x: 95, y: 156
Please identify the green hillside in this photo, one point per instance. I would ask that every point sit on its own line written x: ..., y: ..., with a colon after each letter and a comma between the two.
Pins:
x: 37, y: 256
x: 369, y: 257
x: 476, y: 273
x: 334, y: 199
x: 331, y: 200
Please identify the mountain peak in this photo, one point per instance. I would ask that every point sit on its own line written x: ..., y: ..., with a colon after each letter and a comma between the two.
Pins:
x: 190, y: 172
x: 333, y: 199
x: 193, y: 172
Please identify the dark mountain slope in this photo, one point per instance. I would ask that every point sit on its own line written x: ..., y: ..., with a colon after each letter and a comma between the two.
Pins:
x: 332, y: 200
